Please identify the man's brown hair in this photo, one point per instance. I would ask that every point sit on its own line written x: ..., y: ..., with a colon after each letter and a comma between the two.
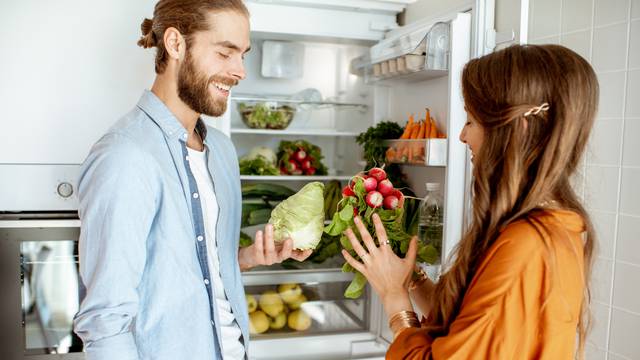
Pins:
x: 187, y: 16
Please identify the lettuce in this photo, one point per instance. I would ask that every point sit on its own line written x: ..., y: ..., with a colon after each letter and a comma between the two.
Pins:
x: 300, y: 217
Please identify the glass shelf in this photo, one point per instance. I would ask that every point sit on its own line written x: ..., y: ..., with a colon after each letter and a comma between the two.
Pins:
x: 295, y: 132
x: 293, y: 178
x: 287, y: 100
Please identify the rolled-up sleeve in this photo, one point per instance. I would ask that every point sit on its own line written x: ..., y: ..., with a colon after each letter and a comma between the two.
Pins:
x: 117, y: 207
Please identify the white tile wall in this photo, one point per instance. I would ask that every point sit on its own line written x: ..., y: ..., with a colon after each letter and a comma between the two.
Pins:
x: 601, y: 188
x: 611, y: 94
x: 631, y: 144
x: 624, y: 334
x: 576, y: 15
x: 579, y: 42
x: 607, y: 33
x: 633, y: 94
x: 634, y: 45
x: 605, y: 224
x: 629, y: 239
x: 601, y: 279
x: 625, y: 287
x: 610, y: 11
x: 604, y: 147
x: 610, y: 47
x: 630, y: 196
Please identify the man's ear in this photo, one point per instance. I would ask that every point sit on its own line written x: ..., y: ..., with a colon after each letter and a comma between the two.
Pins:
x: 174, y: 43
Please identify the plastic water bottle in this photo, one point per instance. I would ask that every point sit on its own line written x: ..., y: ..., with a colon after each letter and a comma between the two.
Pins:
x: 430, y: 229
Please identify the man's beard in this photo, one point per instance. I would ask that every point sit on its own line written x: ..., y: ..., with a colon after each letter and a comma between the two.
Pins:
x: 193, y: 89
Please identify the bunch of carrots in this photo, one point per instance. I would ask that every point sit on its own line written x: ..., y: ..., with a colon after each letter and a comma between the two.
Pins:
x: 414, y: 151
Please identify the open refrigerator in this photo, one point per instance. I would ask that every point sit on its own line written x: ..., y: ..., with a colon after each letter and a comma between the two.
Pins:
x: 351, y: 67
x: 337, y: 87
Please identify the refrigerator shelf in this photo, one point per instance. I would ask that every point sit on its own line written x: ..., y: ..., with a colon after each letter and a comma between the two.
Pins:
x: 274, y: 277
x: 424, y: 152
x: 293, y: 178
x: 294, y: 132
x: 274, y: 99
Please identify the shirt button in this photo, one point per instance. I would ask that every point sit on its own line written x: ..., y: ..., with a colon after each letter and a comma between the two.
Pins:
x: 206, y: 281
x: 200, y: 238
x: 212, y: 323
x: 186, y: 158
x: 195, y: 195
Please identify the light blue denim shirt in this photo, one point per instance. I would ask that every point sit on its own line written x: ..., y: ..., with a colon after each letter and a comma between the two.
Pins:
x: 143, y: 256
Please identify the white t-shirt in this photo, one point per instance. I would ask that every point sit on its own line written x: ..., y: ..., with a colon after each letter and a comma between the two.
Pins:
x: 232, y: 348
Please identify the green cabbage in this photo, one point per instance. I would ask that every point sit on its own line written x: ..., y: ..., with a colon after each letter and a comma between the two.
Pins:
x: 300, y: 217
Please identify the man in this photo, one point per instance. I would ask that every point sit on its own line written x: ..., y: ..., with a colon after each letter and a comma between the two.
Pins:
x: 160, y: 203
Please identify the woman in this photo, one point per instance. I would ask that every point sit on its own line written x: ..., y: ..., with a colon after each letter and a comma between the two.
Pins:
x: 518, y: 284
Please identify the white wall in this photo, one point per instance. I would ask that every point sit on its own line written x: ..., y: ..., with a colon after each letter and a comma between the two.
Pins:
x: 607, y: 33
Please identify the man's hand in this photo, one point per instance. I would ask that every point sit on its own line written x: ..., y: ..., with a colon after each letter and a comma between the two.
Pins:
x: 264, y: 251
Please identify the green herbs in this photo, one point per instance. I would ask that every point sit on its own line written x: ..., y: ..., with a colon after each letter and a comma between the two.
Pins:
x: 257, y: 166
x: 372, y: 142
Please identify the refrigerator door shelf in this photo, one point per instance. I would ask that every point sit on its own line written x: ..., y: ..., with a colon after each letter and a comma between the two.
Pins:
x: 424, y: 152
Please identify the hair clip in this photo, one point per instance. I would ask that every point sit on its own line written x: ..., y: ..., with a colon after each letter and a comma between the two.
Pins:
x: 537, y: 109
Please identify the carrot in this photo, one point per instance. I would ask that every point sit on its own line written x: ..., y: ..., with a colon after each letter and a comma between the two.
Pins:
x: 433, y: 133
x: 428, y: 124
x: 415, y: 131
x: 422, y: 131
x: 406, y: 133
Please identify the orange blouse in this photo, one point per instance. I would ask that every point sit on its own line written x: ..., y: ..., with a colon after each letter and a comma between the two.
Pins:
x: 516, y: 307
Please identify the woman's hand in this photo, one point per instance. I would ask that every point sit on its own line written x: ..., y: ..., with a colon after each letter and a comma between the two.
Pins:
x: 264, y: 251
x: 388, y: 274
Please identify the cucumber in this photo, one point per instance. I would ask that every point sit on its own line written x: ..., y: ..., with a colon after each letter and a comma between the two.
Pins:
x: 248, y: 208
x: 270, y: 191
x: 260, y: 216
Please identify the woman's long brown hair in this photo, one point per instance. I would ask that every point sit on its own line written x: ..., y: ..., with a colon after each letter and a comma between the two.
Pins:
x: 524, y: 161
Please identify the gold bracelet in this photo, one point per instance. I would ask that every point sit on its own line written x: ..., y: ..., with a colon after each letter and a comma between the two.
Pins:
x: 402, y: 320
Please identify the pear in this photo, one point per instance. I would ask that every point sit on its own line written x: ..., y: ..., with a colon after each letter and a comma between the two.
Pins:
x: 258, y: 322
x: 278, y: 322
x: 289, y: 292
x: 295, y: 305
x: 252, y: 303
x: 299, y: 320
x: 271, y: 303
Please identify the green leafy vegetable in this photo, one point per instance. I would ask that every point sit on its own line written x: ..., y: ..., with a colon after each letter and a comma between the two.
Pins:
x: 257, y: 166
x: 300, y: 217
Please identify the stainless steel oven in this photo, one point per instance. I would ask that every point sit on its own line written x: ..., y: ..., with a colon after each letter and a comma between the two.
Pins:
x: 42, y: 288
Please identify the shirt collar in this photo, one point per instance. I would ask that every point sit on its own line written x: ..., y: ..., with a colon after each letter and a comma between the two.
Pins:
x: 161, y: 115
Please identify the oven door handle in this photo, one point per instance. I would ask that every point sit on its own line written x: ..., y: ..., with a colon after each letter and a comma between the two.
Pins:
x: 32, y: 224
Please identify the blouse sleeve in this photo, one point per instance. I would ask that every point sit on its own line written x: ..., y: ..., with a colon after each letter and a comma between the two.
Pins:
x: 493, y: 307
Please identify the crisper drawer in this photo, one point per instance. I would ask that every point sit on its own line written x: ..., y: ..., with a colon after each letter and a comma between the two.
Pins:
x: 302, y: 303
x: 304, y: 314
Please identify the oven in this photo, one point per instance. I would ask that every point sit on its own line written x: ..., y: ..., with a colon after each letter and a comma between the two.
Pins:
x: 42, y: 287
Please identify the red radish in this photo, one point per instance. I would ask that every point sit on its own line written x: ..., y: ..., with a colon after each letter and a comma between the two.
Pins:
x: 397, y: 193
x: 347, y: 191
x: 300, y: 155
x: 355, y: 211
x: 306, y: 164
x: 378, y: 173
x: 293, y: 168
x: 385, y: 187
x: 374, y: 199
x: 370, y: 184
x: 390, y: 202
x: 310, y: 171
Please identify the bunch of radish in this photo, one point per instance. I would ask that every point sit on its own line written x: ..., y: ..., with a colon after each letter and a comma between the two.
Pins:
x: 378, y: 189
x: 299, y: 163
